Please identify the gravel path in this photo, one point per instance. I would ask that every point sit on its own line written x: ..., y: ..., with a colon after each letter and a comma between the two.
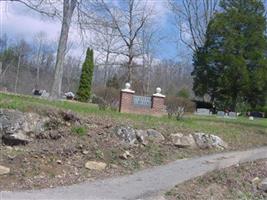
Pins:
x: 146, y: 184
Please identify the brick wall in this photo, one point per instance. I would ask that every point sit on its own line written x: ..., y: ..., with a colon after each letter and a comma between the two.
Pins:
x: 126, y: 104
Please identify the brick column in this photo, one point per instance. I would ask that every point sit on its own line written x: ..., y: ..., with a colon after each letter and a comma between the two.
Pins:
x: 126, y: 97
x: 158, y: 106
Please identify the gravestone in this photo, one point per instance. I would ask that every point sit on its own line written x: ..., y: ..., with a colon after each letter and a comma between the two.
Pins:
x: 232, y: 114
x: 221, y: 113
x: 202, y: 111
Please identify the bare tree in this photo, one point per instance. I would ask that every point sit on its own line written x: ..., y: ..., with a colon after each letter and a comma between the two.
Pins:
x: 106, y: 43
x: 40, y: 39
x: 192, y: 18
x: 128, y: 19
x: 150, y: 39
x: 21, y: 51
x: 51, y: 8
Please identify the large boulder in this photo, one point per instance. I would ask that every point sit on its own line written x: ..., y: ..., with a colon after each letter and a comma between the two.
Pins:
x: 155, y: 135
x: 207, y: 141
x: 16, y: 127
x: 94, y: 165
x: 144, y: 136
x: 183, y: 141
x: 141, y: 136
x: 263, y: 185
x: 127, y: 134
x: 4, y: 170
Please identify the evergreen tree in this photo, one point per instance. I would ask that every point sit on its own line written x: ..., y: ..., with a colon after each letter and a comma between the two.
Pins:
x: 231, y: 66
x: 84, y: 91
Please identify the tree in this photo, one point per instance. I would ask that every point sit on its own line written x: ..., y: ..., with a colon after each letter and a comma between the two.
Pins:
x: 231, y: 66
x: 40, y: 40
x: 68, y: 8
x: 51, y: 8
x: 21, y: 50
x: 191, y: 18
x: 128, y: 18
x: 84, y: 91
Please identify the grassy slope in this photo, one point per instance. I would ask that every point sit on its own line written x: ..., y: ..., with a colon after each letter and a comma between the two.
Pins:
x: 231, y: 183
x: 240, y: 132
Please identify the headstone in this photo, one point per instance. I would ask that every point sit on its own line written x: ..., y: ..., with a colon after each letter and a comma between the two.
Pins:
x: 221, y: 113
x: 69, y: 95
x: 202, y: 111
x: 232, y: 114
x: 256, y: 114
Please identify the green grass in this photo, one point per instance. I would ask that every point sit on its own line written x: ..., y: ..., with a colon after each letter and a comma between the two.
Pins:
x: 233, y: 130
x: 79, y: 130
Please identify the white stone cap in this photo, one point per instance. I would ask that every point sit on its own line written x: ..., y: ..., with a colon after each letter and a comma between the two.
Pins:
x: 127, y: 88
x: 158, y: 93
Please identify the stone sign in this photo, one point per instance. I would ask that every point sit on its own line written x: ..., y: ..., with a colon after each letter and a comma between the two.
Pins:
x: 146, y: 105
x: 141, y: 101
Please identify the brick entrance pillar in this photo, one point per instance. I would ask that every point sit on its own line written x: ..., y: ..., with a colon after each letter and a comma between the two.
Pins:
x: 126, y: 97
x: 158, y: 106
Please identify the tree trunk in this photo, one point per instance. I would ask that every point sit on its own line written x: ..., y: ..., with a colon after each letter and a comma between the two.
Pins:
x: 68, y: 8
x: 17, y: 75
x: 130, y: 70
x: 106, y: 67
x: 38, y: 68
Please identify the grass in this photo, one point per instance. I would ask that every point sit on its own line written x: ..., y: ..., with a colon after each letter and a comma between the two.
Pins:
x: 232, y: 130
x: 79, y: 130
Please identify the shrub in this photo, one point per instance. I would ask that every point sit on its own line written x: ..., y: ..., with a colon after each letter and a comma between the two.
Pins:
x: 177, y: 106
x: 107, y: 97
x: 184, y: 93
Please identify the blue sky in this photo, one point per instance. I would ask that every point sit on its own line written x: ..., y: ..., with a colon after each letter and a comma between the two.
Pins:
x: 19, y: 22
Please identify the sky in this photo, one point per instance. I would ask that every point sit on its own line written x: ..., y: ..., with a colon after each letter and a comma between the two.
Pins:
x: 17, y: 21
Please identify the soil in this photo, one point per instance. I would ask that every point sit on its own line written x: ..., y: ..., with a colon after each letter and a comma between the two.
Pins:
x: 235, y: 182
x: 58, y: 155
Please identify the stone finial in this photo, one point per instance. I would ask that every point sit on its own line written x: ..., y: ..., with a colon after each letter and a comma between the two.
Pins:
x: 127, y: 86
x: 158, y: 90
x: 158, y: 93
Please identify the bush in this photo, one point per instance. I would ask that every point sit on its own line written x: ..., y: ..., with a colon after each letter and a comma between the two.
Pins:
x: 107, y: 97
x: 177, y: 106
x: 184, y: 93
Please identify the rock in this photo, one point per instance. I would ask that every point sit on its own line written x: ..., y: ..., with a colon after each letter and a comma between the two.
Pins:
x: 85, y: 152
x: 126, y: 155
x: 113, y: 166
x: 183, y: 141
x: 141, y: 136
x: 141, y: 163
x: 15, y: 139
x: 207, y: 141
x: 4, y: 170
x: 263, y: 185
x: 15, y: 126
x: 94, y: 165
x: 255, y: 181
x: 59, y: 162
x: 155, y: 135
x: 127, y: 134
